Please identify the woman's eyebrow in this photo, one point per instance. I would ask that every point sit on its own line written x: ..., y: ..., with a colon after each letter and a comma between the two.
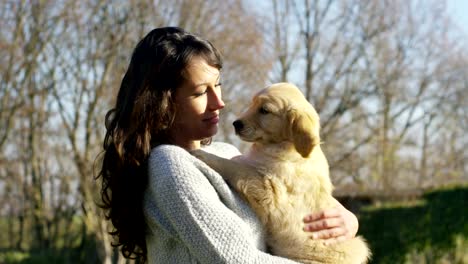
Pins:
x: 207, y: 83
x: 202, y: 84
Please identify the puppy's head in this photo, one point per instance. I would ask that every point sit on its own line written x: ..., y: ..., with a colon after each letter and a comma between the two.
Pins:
x: 280, y: 113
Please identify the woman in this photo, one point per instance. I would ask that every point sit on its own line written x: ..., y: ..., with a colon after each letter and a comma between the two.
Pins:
x: 165, y: 205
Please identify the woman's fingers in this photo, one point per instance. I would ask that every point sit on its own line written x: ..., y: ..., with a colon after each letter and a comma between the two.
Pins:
x: 332, y: 233
x: 324, y: 224
x: 327, y: 213
x: 334, y: 224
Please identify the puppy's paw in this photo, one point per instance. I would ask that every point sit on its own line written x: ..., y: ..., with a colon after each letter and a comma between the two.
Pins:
x: 211, y: 160
x: 201, y: 155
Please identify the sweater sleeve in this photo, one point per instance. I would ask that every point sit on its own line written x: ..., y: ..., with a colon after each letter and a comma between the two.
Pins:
x: 193, y: 211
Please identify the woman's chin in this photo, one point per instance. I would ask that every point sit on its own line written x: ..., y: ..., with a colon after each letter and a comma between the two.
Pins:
x: 210, y: 132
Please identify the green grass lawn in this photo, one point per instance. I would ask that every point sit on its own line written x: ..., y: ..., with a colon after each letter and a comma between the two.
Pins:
x: 432, y: 230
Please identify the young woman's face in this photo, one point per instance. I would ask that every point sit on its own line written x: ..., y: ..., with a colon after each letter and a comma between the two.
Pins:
x: 198, y: 102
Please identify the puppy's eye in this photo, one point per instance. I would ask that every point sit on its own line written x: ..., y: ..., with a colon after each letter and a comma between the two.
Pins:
x: 263, y: 110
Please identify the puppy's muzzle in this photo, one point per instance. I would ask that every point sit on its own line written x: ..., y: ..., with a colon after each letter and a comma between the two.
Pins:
x: 238, y: 126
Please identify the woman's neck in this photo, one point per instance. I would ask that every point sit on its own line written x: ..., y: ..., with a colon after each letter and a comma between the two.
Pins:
x: 188, y: 145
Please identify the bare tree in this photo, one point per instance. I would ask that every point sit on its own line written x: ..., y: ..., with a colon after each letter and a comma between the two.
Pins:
x: 373, y: 70
x: 62, y: 67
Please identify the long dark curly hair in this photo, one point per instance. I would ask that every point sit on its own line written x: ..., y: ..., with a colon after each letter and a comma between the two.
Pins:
x: 143, y: 113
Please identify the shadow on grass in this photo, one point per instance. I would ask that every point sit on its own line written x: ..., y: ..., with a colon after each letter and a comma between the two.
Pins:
x: 394, y: 232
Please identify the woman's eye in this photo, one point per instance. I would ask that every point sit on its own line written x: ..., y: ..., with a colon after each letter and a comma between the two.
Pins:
x: 200, y: 93
x: 263, y: 110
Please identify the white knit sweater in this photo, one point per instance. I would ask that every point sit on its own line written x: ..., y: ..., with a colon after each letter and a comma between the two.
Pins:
x: 194, y: 217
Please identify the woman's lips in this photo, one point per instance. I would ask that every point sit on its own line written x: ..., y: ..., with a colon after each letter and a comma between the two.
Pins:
x: 212, y: 120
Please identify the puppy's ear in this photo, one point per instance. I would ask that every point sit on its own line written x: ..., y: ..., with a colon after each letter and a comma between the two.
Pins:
x: 304, y: 131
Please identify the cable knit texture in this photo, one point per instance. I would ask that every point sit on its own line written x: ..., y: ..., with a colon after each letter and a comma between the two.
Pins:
x: 194, y: 217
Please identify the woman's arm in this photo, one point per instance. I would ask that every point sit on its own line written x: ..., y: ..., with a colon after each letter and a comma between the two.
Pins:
x: 332, y: 225
x: 188, y: 202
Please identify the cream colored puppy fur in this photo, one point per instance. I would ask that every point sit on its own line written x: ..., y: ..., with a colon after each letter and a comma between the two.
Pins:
x: 284, y: 176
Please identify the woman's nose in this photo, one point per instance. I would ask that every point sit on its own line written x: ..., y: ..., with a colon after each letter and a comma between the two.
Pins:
x: 215, y: 101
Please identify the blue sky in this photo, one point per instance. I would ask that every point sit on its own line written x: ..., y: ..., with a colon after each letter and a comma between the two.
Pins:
x: 458, y: 9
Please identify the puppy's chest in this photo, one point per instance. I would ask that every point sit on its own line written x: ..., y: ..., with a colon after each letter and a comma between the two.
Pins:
x: 287, y: 181
x: 294, y: 184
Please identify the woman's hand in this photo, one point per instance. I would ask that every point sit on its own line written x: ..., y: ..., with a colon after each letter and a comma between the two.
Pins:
x: 332, y: 225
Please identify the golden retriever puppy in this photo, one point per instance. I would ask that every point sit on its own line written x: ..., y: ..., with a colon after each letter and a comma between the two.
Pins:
x: 285, y: 175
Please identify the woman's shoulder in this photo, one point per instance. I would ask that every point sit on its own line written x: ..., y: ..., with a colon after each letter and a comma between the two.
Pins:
x: 172, y: 168
x: 170, y: 152
x: 167, y: 151
x: 175, y: 155
x: 164, y: 157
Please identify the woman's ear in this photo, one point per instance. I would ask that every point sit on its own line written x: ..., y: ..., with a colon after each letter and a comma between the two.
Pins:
x: 304, y: 131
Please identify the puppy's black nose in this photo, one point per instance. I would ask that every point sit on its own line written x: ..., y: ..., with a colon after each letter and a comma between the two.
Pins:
x: 238, y: 125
